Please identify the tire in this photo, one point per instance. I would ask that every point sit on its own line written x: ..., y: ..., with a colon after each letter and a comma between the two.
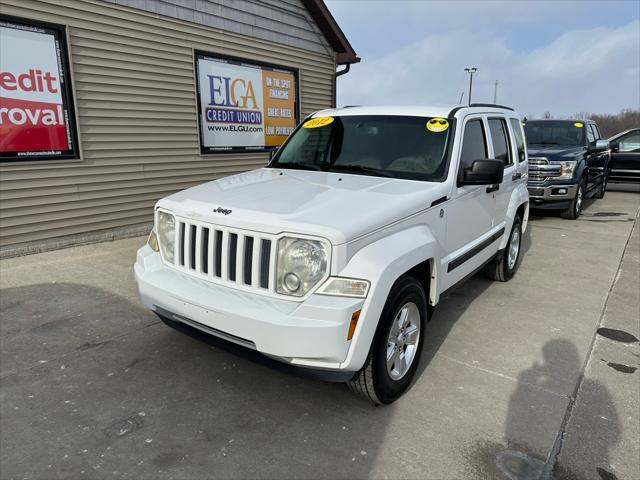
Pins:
x: 603, y: 186
x: 375, y: 381
x: 575, y: 209
x: 504, y: 267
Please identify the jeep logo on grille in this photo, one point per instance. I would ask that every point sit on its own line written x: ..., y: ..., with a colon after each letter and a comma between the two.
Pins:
x: 221, y: 210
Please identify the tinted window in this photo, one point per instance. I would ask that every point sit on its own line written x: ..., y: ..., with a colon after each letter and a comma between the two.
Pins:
x: 388, y: 146
x: 590, y: 136
x: 499, y: 137
x: 519, y: 137
x: 474, y: 145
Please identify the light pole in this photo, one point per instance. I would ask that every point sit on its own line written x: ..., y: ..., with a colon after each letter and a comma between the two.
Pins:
x: 470, y: 71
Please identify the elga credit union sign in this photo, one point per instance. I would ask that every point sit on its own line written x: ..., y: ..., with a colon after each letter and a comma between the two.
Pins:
x: 36, y: 115
x: 244, y: 106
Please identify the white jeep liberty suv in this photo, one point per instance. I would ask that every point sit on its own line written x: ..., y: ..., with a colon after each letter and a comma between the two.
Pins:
x: 331, y: 257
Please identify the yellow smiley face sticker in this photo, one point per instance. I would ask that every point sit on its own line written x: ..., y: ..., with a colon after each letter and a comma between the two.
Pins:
x: 437, y: 125
x: 317, y: 122
x: 578, y: 124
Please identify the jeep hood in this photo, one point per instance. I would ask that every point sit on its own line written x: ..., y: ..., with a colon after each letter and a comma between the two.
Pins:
x: 555, y: 152
x: 337, y: 206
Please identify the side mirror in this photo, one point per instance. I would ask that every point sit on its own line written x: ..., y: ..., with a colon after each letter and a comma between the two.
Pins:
x: 615, y: 147
x: 600, y: 146
x: 483, y: 172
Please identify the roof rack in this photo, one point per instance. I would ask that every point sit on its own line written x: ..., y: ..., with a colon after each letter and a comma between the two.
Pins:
x: 490, y: 105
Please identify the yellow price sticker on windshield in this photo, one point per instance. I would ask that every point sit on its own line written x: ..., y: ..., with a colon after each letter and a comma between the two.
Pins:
x: 578, y: 124
x: 437, y: 125
x: 317, y: 122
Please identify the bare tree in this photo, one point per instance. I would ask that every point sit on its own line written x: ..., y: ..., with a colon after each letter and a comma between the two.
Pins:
x: 612, y: 124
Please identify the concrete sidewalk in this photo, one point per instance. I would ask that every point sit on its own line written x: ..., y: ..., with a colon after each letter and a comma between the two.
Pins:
x: 603, y: 426
x: 93, y: 386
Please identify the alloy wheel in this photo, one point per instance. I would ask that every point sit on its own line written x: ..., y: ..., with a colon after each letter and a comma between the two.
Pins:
x: 402, y: 342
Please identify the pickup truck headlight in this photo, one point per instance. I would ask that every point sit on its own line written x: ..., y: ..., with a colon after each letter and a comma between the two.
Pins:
x: 166, y: 228
x: 301, y: 265
x: 566, y: 169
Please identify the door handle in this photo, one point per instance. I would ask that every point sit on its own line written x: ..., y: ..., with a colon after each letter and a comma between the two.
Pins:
x: 516, y: 176
x: 493, y: 188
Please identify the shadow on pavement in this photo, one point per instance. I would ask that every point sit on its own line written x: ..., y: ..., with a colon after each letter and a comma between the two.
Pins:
x: 517, y: 463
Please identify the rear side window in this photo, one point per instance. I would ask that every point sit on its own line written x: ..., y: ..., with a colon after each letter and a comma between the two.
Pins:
x: 630, y: 143
x: 499, y: 137
x: 519, y: 138
x: 474, y: 144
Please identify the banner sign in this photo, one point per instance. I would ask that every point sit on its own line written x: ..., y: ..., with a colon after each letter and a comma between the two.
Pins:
x: 244, y: 106
x: 36, y: 111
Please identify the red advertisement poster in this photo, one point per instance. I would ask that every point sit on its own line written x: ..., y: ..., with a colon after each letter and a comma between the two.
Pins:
x: 35, y: 112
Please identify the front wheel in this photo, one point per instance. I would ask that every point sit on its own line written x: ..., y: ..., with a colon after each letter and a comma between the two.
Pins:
x: 397, y: 345
x: 575, y: 209
x: 504, y: 267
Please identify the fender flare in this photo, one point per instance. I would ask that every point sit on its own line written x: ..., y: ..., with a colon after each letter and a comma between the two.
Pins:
x: 519, y: 196
x: 412, y: 247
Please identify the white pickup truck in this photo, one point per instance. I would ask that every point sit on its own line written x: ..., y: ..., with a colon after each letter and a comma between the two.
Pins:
x: 332, y: 256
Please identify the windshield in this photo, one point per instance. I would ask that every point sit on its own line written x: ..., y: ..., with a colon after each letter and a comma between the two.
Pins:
x: 567, y: 133
x: 390, y: 146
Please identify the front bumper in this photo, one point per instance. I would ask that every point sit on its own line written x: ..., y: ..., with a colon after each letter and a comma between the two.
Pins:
x: 312, y: 333
x: 556, y: 196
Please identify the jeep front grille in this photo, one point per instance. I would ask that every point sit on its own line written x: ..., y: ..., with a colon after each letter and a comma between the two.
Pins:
x: 540, y: 170
x: 224, y: 255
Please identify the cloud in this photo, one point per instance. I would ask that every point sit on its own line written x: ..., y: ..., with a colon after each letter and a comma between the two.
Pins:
x: 596, y: 70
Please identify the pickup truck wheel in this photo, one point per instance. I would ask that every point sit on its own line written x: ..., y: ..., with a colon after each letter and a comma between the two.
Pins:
x: 575, y: 209
x: 397, y: 345
x: 504, y: 267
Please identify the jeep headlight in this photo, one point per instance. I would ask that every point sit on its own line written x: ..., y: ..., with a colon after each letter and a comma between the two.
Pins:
x: 166, y: 236
x: 566, y: 169
x: 345, y: 287
x: 301, y: 265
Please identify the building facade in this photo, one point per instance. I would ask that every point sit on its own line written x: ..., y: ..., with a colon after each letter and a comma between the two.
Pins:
x: 108, y: 105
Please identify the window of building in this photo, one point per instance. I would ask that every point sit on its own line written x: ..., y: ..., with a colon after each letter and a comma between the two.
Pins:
x: 37, y: 114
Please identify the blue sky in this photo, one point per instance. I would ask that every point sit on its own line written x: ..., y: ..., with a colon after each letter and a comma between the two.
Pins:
x: 559, y: 56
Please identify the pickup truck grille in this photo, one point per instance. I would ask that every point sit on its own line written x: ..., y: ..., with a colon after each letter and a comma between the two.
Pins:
x: 540, y: 170
x: 223, y: 255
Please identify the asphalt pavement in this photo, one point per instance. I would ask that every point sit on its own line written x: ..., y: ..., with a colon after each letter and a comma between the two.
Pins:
x: 534, y: 378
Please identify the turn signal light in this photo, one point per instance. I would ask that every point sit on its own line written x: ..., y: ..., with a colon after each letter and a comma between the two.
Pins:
x: 352, y: 326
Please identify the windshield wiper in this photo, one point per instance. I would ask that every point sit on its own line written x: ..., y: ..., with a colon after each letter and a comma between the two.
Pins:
x: 298, y: 166
x: 545, y: 143
x: 361, y: 169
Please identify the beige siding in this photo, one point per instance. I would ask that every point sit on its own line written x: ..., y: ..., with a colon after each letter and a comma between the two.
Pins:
x: 133, y: 78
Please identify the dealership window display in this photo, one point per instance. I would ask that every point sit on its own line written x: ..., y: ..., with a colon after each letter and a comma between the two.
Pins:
x: 244, y: 106
x: 36, y: 106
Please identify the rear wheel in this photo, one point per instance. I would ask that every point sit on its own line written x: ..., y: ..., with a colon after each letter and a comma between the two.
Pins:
x: 575, y: 209
x: 504, y: 267
x: 397, y: 345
